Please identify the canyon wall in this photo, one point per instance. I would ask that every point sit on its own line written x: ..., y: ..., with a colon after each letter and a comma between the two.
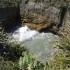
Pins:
x: 9, y: 16
x: 41, y: 15
x: 53, y: 16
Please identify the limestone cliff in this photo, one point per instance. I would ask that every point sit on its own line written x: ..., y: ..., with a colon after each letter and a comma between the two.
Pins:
x: 53, y: 16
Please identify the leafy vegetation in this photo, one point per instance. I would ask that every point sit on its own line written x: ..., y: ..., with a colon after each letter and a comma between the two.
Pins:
x: 61, y: 58
x: 6, y: 3
x: 9, y: 53
x: 13, y: 56
x: 29, y: 62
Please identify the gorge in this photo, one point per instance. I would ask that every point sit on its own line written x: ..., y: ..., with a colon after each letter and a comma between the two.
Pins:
x: 42, y: 18
x: 37, y: 43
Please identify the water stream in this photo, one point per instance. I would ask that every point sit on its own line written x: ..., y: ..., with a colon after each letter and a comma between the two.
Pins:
x: 37, y: 43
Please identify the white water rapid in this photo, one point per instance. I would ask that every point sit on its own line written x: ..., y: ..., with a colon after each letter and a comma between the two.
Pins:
x: 37, y: 43
x: 24, y: 33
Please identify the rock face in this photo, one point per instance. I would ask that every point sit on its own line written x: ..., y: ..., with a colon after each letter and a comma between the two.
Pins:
x: 53, y: 16
x: 41, y: 17
x: 66, y: 22
x: 9, y: 16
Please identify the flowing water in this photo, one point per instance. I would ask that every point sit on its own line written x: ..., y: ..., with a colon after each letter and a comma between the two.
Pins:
x: 37, y: 43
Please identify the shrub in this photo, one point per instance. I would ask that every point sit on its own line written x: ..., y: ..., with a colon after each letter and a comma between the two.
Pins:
x: 29, y: 62
x: 8, y: 65
x: 63, y: 53
x: 9, y: 53
x: 61, y: 58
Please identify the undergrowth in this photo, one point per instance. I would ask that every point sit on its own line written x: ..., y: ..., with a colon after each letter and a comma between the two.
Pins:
x: 13, y: 56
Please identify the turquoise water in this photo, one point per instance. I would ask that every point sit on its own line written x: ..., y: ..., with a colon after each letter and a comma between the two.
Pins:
x: 41, y: 45
x: 37, y: 43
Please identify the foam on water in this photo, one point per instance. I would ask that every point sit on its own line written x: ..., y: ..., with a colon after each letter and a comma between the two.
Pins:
x: 39, y: 43
x: 24, y: 33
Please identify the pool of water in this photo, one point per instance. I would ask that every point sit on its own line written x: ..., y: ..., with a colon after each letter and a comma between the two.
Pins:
x: 37, y: 43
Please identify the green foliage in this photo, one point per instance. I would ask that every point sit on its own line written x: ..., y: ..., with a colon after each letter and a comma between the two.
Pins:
x: 9, y: 2
x: 10, y: 50
x: 61, y: 58
x: 16, y: 51
x: 29, y: 62
x: 8, y: 65
x: 9, y: 53
x: 63, y: 53
x: 52, y: 4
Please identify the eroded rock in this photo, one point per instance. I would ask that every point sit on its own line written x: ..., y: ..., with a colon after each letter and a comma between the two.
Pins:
x: 54, y: 17
x: 41, y: 16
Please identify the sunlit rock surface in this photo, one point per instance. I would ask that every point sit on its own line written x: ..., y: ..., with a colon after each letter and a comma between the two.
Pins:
x: 37, y: 43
